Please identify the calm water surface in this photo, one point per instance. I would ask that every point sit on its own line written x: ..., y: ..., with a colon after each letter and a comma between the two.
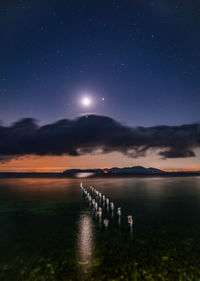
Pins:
x: 49, y: 232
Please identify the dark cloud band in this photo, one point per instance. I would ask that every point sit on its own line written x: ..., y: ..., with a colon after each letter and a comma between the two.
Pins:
x: 87, y: 134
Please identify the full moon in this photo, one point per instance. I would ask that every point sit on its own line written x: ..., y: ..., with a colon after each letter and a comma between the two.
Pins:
x: 86, y: 101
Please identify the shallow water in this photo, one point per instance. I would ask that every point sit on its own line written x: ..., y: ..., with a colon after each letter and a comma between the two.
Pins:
x: 49, y: 232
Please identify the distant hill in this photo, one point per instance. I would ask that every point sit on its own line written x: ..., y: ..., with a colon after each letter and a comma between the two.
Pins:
x: 116, y: 171
x: 127, y: 171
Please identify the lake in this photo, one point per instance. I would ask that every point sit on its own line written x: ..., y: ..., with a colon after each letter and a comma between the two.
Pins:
x: 48, y: 231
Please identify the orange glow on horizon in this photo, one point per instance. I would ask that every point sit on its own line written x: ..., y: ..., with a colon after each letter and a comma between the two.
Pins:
x: 103, y: 161
x: 183, y: 170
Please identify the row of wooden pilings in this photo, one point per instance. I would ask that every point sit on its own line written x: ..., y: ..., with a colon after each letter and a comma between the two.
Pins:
x: 98, y: 201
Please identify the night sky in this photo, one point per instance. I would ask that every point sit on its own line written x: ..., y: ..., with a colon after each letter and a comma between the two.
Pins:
x: 138, y: 62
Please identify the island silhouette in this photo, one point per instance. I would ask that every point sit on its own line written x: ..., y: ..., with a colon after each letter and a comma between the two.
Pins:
x: 105, y: 172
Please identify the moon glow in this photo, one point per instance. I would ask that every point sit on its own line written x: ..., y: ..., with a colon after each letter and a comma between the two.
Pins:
x: 86, y: 101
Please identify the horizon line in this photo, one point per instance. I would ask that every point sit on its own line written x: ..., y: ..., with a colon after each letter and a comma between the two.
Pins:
x: 55, y: 170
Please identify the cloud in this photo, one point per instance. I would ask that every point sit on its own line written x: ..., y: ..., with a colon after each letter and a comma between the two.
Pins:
x: 88, y: 134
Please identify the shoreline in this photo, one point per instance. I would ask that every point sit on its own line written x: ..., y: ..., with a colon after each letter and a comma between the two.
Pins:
x: 61, y: 175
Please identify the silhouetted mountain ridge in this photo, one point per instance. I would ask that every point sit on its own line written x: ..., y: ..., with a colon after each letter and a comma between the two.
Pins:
x: 116, y: 170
